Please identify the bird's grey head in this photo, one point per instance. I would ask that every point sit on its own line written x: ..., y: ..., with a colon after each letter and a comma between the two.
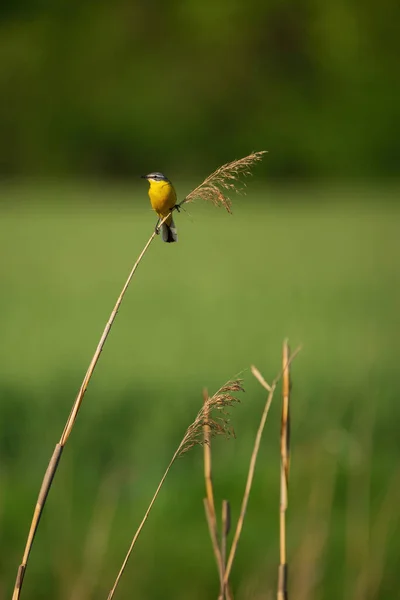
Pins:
x: 156, y: 176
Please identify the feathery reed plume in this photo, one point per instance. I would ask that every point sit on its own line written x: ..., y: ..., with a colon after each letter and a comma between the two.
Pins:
x: 218, y: 425
x: 239, y: 526
x: 225, y: 177
x: 282, y: 593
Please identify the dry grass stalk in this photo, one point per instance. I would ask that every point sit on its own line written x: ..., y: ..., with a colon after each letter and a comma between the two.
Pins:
x: 271, y: 389
x: 225, y: 528
x: 220, y: 402
x: 207, y: 456
x: 282, y: 593
x: 209, y: 505
x: 249, y: 481
x: 54, y: 461
x: 225, y: 178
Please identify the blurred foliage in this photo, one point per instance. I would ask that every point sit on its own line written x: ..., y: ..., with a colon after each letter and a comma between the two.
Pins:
x: 322, y: 273
x: 115, y: 88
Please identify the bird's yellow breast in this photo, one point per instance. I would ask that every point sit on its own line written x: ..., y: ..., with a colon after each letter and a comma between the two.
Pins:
x: 162, y: 196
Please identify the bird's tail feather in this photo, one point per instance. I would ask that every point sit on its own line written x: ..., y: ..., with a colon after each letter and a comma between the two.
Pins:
x: 169, y: 232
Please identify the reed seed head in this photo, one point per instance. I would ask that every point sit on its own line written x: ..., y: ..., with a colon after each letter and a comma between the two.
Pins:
x: 218, y: 423
x: 225, y: 180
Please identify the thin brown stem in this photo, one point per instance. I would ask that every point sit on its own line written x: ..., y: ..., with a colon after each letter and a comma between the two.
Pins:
x: 89, y: 373
x: 209, y: 505
x: 226, y: 525
x: 44, y: 490
x: 282, y: 593
x: 214, y: 539
x: 207, y: 457
x: 54, y: 461
x: 253, y: 460
x: 139, y: 529
x: 249, y: 482
x: 221, y: 400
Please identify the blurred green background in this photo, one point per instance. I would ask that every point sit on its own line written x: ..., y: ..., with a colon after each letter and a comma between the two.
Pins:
x: 91, y: 96
x: 112, y: 88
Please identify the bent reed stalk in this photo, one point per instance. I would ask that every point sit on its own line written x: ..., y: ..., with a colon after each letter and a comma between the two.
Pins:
x: 220, y: 401
x: 54, y: 461
x: 224, y: 178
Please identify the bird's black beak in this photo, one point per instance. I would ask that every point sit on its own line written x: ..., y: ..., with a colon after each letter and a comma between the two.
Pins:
x: 143, y: 176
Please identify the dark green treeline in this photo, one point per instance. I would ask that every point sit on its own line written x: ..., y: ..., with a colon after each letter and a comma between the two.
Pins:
x: 112, y: 88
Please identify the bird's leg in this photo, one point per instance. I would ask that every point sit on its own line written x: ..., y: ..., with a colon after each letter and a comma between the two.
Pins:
x: 157, y: 227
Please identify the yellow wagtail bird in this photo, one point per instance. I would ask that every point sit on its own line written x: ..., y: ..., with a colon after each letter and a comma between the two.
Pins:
x: 163, y: 200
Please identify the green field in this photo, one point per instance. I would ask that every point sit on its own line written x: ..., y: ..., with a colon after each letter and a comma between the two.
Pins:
x: 319, y: 266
